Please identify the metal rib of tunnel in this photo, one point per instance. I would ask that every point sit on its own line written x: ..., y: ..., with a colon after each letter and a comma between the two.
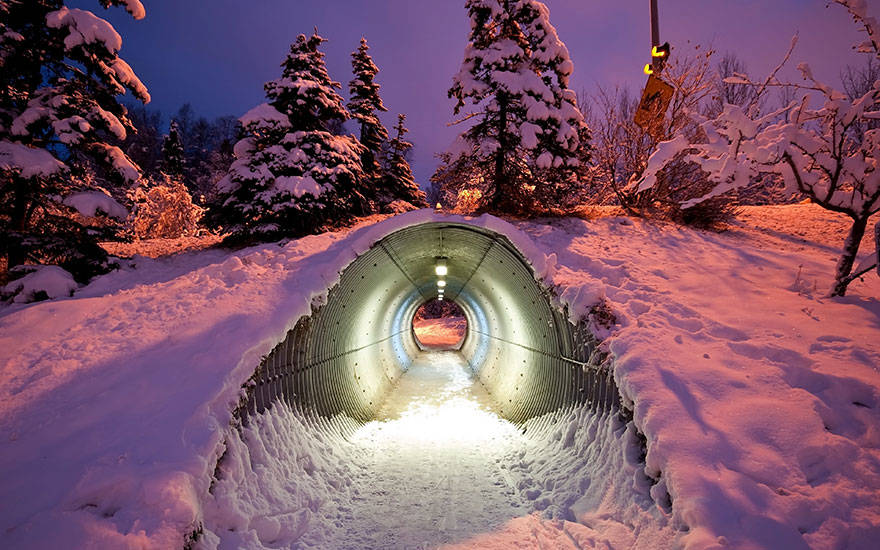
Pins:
x: 346, y: 356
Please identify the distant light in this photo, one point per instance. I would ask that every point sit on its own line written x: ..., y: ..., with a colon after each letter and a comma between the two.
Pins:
x: 441, y: 283
x: 440, y: 298
x: 441, y: 268
x: 439, y: 206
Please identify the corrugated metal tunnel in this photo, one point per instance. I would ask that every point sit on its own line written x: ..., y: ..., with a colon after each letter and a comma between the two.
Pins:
x: 346, y: 356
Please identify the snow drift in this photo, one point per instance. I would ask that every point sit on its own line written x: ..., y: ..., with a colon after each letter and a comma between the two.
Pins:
x: 758, y: 398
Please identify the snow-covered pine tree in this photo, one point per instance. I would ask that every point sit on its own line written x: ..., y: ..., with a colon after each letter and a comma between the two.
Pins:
x: 399, y: 181
x: 364, y: 105
x: 60, y: 75
x: 291, y: 176
x: 516, y: 72
x: 173, y: 161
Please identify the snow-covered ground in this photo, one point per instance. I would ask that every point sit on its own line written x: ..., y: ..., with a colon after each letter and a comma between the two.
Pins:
x: 438, y: 467
x: 440, y: 333
x: 759, y: 397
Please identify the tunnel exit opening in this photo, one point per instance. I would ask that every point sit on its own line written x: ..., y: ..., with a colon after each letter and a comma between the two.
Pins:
x: 439, y: 325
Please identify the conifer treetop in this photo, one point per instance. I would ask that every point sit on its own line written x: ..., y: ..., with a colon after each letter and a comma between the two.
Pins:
x: 514, y: 56
x: 365, y: 99
x: 305, y: 92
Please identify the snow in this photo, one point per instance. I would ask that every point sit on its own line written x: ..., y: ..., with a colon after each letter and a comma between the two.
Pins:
x: 50, y: 280
x: 28, y: 161
x: 119, y: 161
x: 298, y: 186
x: 759, y: 400
x: 90, y: 203
x: 135, y: 8
x: 264, y: 113
x: 84, y: 27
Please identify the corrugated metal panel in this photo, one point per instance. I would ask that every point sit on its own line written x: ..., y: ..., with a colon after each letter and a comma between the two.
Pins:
x: 345, y: 356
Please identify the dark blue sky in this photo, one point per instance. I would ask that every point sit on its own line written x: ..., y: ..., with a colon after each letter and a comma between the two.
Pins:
x: 217, y: 54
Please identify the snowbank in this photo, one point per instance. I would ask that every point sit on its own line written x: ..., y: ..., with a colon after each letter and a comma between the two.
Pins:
x: 43, y: 282
x: 758, y: 397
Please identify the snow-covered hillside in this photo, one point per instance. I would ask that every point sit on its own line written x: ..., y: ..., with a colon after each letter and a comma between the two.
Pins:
x: 758, y: 397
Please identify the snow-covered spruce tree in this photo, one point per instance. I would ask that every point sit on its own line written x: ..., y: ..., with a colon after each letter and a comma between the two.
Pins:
x: 173, y: 160
x: 60, y: 75
x: 515, y: 73
x: 364, y: 106
x: 817, y: 150
x: 291, y: 176
x: 399, y: 181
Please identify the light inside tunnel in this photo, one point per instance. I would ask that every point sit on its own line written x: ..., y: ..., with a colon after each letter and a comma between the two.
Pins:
x: 348, y: 355
x: 441, y: 283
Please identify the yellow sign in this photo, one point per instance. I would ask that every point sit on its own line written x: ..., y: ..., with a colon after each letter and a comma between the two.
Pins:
x: 652, y: 108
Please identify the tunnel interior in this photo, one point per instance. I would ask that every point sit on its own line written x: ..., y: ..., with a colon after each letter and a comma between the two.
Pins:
x: 347, y: 355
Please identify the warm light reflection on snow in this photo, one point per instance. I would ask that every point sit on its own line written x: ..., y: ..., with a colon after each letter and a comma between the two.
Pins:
x: 436, y: 405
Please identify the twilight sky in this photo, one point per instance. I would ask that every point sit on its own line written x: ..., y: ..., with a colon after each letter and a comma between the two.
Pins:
x: 217, y: 54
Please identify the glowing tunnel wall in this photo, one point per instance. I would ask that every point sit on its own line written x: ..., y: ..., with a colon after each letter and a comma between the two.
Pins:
x: 346, y: 356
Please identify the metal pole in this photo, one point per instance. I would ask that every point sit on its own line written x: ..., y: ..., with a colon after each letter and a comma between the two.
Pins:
x: 655, y: 25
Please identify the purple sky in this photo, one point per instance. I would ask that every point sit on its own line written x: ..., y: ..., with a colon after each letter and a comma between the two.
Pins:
x: 217, y: 54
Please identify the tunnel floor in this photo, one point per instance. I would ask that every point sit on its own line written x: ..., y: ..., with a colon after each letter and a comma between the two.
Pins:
x: 434, y: 455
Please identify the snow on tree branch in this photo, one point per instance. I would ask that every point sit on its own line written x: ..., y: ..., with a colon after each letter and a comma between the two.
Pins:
x: 819, y: 151
x: 859, y: 11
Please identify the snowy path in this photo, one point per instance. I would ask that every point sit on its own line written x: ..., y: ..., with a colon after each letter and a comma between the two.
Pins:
x: 433, y: 456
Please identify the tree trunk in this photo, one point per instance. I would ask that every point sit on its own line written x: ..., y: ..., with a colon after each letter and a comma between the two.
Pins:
x: 848, y: 257
x: 500, y: 193
x: 15, y: 253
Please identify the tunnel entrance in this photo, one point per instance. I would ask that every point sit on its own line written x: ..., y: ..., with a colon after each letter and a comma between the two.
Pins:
x: 349, y: 353
x: 412, y: 447
x: 439, y: 325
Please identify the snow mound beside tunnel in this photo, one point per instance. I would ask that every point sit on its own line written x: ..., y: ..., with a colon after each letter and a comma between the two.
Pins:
x: 757, y: 396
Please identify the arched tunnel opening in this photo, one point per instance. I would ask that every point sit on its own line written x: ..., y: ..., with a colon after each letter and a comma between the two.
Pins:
x: 348, y: 354
x: 388, y: 443
x: 440, y: 324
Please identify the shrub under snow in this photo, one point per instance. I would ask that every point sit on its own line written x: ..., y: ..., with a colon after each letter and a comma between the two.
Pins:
x: 164, y: 209
x: 42, y: 282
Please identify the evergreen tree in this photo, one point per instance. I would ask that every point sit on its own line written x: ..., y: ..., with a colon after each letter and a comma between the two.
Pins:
x: 400, y: 182
x: 60, y: 78
x: 291, y: 176
x: 172, y: 153
x: 364, y: 104
x: 516, y: 72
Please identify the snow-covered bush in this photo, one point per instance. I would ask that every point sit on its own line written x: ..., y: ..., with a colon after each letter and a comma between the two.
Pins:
x: 468, y: 201
x: 38, y: 282
x: 527, y: 129
x: 621, y: 147
x: 292, y: 176
x: 60, y: 75
x: 819, y: 151
x: 163, y: 209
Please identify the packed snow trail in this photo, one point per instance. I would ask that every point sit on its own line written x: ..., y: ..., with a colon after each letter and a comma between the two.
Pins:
x: 432, y: 456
